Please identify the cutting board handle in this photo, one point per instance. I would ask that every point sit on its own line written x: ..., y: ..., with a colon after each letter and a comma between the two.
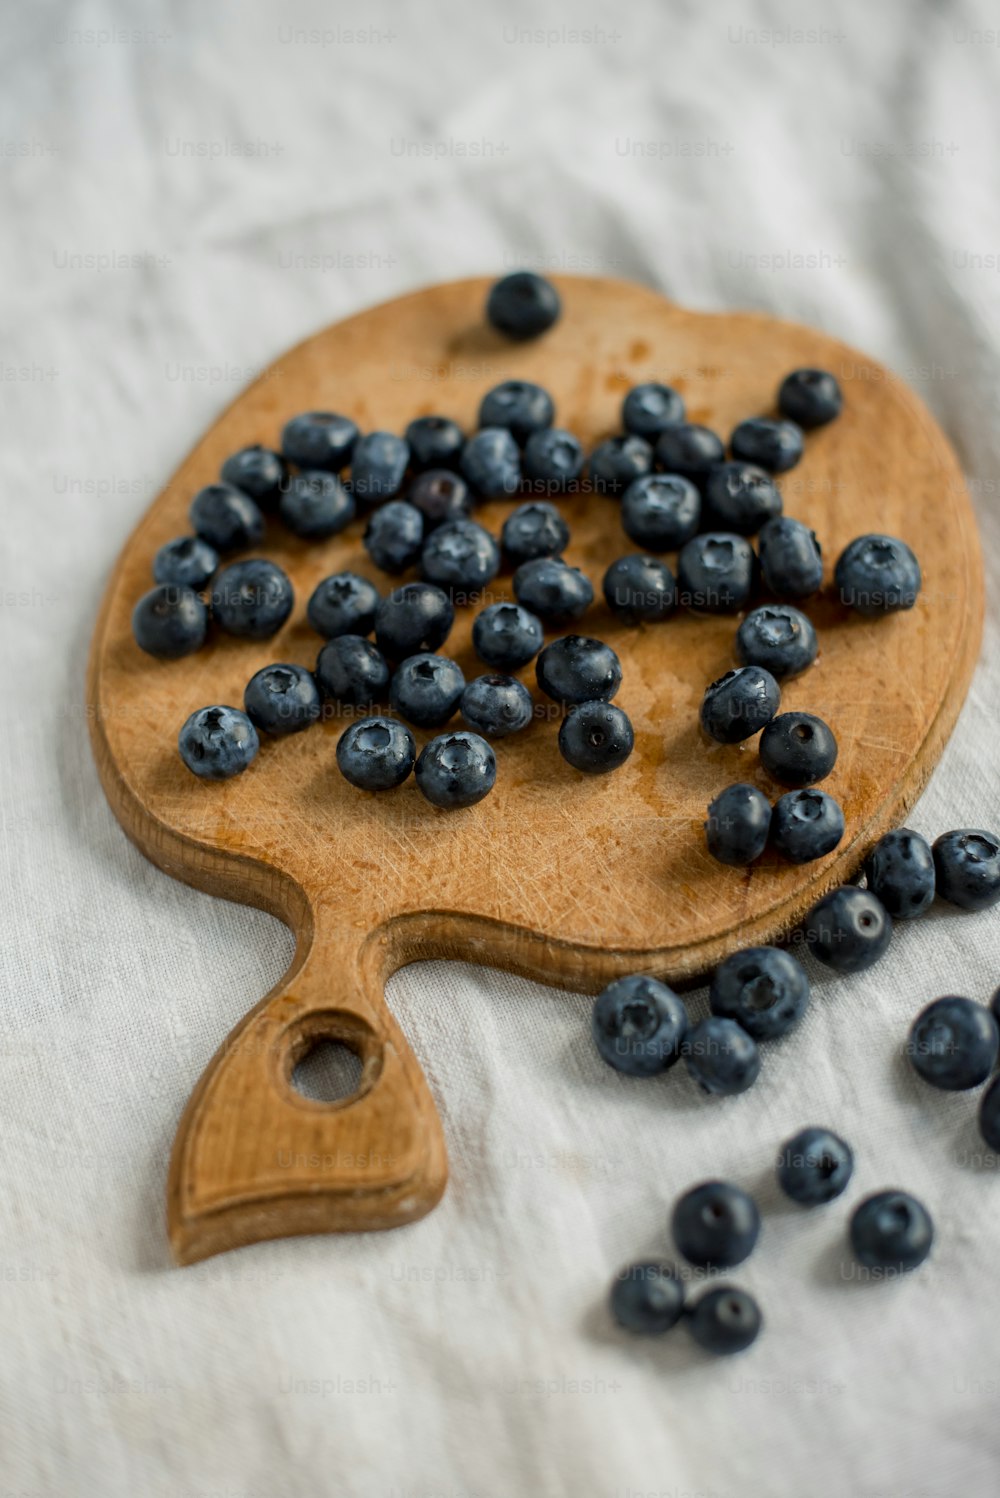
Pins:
x: 255, y: 1159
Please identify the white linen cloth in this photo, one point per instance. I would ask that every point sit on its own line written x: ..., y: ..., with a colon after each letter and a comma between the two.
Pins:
x: 256, y: 171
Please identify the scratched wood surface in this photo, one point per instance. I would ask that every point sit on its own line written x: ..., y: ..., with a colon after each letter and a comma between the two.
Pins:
x: 563, y: 878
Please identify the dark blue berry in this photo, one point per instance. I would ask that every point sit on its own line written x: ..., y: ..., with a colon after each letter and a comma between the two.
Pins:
x: 967, y: 868
x: 522, y: 305
x: 413, y: 618
x: 226, y: 518
x: 170, y: 622
x: 763, y: 989
x: 497, y: 705
x: 491, y: 463
x: 661, y: 511
x: 618, y: 462
x: 352, y: 672
x: 518, y: 405
x: 791, y: 559
x: 810, y: 397
x: 376, y: 754
x: 506, y: 636
x: 258, y: 471
x: 638, y: 1025
x: 460, y: 557
x: 900, y: 870
x: 315, y: 505
x: 553, y: 460
x: 849, y: 929
x: 378, y: 467
x: 640, y: 589
x: 217, y: 743
x: 798, y: 749
x: 891, y: 1231
x: 724, y: 1320
x: 187, y: 562
x: 434, y: 442
x: 533, y: 530
x: 877, y: 575
x: 440, y: 496
x: 557, y: 593
x: 721, y: 1057
x: 319, y: 439
x: 456, y: 769
x: 740, y: 497
x: 647, y: 1299
x: 715, y: 1225
x: 814, y: 1167
x: 739, y: 704
x: 689, y: 450
x: 989, y: 1115
x: 252, y: 599
x: 716, y: 573
x: 648, y: 409
x: 805, y: 825
x: 953, y: 1044
x: 426, y: 690
x: 578, y: 669
x: 343, y: 604
x: 775, y: 445
x: 596, y: 737
x: 778, y: 637
x: 739, y: 820
x: 394, y: 536
x: 282, y: 699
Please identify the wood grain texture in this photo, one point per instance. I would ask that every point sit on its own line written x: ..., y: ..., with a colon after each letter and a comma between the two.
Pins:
x: 563, y: 878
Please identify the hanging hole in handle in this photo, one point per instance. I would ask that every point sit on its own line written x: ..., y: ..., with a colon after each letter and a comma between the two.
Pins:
x: 330, y: 1059
x: 329, y: 1072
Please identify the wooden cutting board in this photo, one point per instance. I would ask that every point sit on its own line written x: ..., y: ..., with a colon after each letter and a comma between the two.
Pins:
x: 569, y: 880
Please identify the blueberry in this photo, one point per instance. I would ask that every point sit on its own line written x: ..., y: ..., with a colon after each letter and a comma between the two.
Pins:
x: 900, y: 871
x: 891, y: 1231
x: 440, y: 496
x: 491, y: 463
x: 805, y: 825
x: 315, y: 505
x: 618, y: 462
x: 518, y: 405
x: 252, y: 599
x: 640, y: 589
x: 497, y: 705
x: 282, y: 699
x: 763, y: 989
x: 739, y: 820
x: 434, y: 442
x: 523, y: 305
x: 413, y: 618
x: 715, y: 1225
x: 814, y: 1167
x: 187, y: 562
x: 779, y: 638
x: 394, y: 536
x: 967, y: 867
x: 740, y: 497
x: 217, y: 743
x: 689, y: 450
x: 343, y: 604
x: 989, y: 1115
x: 378, y: 467
x: 376, y: 754
x: 426, y: 689
x: 810, y: 397
x: 638, y: 1025
x: 506, y: 636
x: 775, y: 445
x: 557, y: 593
x: 226, y: 518
x: 460, y: 557
x: 596, y: 738
x: 169, y: 622
x: 995, y: 1006
x: 953, y: 1044
x: 319, y: 439
x: 456, y: 769
x: 553, y: 459
x: 739, y: 704
x: 648, y: 409
x: 661, y: 511
x: 798, y: 749
x: 647, y: 1299
x: 578, y: 669
x: 877, y: 575
x: 721, y: 1057
x: 258, y: 471
x: 724, y: 1320
x: 791, y: 558
x: 849, y: 929
x: 533, y: 530
x: 716, y: 572
x: 352, y: 672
